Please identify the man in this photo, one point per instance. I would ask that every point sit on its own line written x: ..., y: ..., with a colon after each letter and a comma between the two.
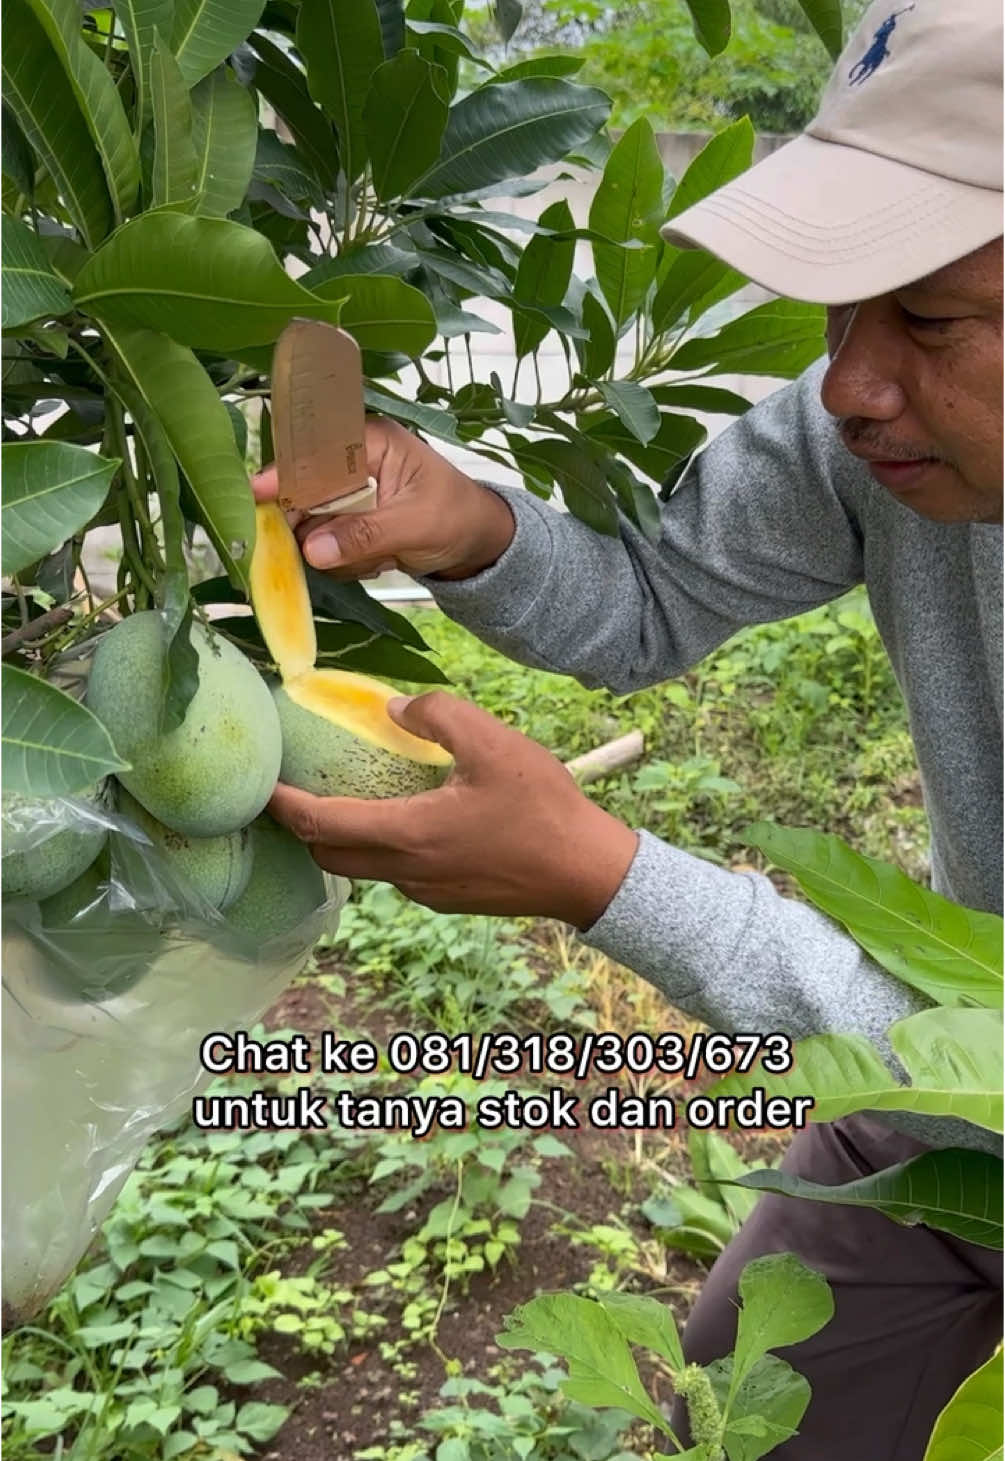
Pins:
x: 882, y: 465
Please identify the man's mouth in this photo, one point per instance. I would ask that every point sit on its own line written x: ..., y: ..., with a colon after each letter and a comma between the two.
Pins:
x: 896, y: 472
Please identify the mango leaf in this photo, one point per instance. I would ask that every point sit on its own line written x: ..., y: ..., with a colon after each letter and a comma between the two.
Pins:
x: 637, y: 500
x: 693, y: 281
x: 18, y: 162
x: 347, y: 647
x: 139, y: 19
x: 450, y: 39
x: 206, y: 282
x: 31, y: 288
x: 676, y: 440
x: 284, y: 87
x: 952, y: 954
x: 50, y: 491
x: 206, y: 32
x: 780, y: 338
x: 712, y: 23
x: 332, y: 600
x: 782, y: 1302
x: 701, y: 398
x: 633, y: 405
x: 543, y: 275
x: 724, y: 157
x: 52, y: 746
x: 970, y: 1426
x: 766, y: 1408
x: 647, y: 1322
x: 175, y: 171
x: 628, y: 204
x: 956, y: 1190
x: 581, y: 478
x: 225, y: 135
x: 340, y: 41
x: 180, y: 394
x: 509, y: 131
x: 596, y: 353
x: 96, y: 96
x: 281, y: 165
x: 36, y: 91
x: 508, y: 15
x: 602, y: 1371
x: 826, y: 19
x: 382, y: 313
x: 413, y: 413
x: 391, y: 14
x: 404, y: 116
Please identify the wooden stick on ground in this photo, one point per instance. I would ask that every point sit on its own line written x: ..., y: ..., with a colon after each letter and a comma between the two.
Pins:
x: 603, y: 760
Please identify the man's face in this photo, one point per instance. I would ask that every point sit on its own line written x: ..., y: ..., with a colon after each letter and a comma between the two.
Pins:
x: 915, y: 380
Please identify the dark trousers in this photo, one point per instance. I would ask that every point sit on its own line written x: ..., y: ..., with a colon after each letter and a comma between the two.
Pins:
x: 915, y: 1311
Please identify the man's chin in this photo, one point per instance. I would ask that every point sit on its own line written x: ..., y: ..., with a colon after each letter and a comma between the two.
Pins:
x: 936, y: 491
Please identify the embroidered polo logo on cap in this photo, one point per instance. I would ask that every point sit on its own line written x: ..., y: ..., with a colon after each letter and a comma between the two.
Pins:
x: 878, y: 51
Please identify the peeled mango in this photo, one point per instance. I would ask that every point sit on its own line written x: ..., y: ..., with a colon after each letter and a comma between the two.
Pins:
x: 35, y: 865
x: 338, y: 739
x: 215, y: 772
x: 285, y: 887
x: 217, y: 867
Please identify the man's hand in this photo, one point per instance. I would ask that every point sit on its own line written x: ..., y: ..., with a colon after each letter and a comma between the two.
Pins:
x: 509, y: 833
x: 430, y: 517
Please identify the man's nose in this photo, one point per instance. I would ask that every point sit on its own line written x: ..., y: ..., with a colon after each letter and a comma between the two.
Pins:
x: 865, y: 342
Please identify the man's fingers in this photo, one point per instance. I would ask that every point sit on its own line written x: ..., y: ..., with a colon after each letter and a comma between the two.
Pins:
x: 461, y: 727
x: 342, y: 821
x: 265, y: 484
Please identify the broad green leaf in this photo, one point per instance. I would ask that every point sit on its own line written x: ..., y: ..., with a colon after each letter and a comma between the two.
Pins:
x: 508, y: 15
x: 543, y: 275
x: 340, y: 41
x: 174, y: 176
x: 17, y: 159
x: 826, y: 19
x: 557, y: 65
x: 728, y: 154
x: 413, y: 413
x: 50, y: 491
x: 782, y: 1302
x: 693, y: 278
x: 701, y: 398
x: 180, y: 394
x: 391, y: 14
x: 581, y: 478
x: 52, y: 746
x: 954, y: 1189
x: 951, y: 953
x: 404, y: 116
x: 31, y: 288
x: 958, y: 1051
x: 712, y: 23
x: 285, y: 88
x: 205, y: 32
x: 634, y: 407
x: 970, y: 1426
x: 281, y: 165
x: 509, y: 131
x: 449, y: 39
x: 596, y: 353
x: 601, y: 1368
x: 677, y: 439
x: 348, y: 646
x: 647, y: 1322
x: 331, y: 600
x: 36, y: 91
x: 766, y: 1409
x: 628, y: 205
x: 139, y: 19
x: 225, y: 134
x: 781, y: 338
x: 637, y: 500
x: 382, y: 313
x: 206, y: 282
x: 96, y: 96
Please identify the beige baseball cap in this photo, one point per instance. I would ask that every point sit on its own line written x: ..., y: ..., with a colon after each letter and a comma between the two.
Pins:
x: 899, y: 173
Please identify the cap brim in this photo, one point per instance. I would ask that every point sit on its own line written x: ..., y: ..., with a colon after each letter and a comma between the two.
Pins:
x: 828, y: 223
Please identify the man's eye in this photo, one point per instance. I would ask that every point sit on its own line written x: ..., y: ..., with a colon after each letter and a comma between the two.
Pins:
x: 927, y: 322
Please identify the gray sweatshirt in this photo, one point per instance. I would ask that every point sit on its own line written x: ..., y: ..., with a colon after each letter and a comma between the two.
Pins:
x: 775, y: 517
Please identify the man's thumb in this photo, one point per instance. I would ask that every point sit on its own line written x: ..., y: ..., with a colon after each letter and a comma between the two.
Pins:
x: 436, y: 716
x: 354, y: 537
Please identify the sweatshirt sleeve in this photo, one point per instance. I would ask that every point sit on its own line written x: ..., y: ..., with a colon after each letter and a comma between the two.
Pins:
x: 756, y: 531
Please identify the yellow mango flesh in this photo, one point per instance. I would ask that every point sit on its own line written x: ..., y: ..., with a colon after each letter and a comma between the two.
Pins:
x: 359, y: 705
x: 279, y: 593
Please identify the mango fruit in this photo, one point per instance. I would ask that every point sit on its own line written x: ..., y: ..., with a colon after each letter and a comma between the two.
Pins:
x: 218, y: 868
x: 215, y: 772
x: 33, y: 868
x: 285, y: 887
x: 337, y: 737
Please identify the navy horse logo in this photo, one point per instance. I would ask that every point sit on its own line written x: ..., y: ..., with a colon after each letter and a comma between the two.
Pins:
x: 878, y: 51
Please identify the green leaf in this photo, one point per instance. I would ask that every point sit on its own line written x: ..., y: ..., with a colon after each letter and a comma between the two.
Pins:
x: 258, y: 1421
x: 508, y: 15
x: 175, y: 170
x: 952, y: 954
x: 712, y: 23
x: 954, y: 1189
x: 18, y: 161
x: 225, y: 134
x: 558, y: 65
x: 627, y: 205
x: 205, y: 32
x: 36, y: 91
x: 139, y: 19
x: 340, y: 41
x: 52, y: 746
x: 450, y: 39
x: 694, y: 280
x: 648, y: 1322
x: 180, y: 394
x: 97, y: 97
x: 826, y: 19
x: 382, y: 313
x: 579, y: 475
x: 781, y: 337
x: 509, y: 131
x: 404, y: 116
x: 31, y: 288
x: 392, y: 25
x: 285, y: 88
x: 596, y: 354
x: 601, y: 1368
x: 633, y: 405
x: 206, y: 282
x: 970, y: 1426
x: 50, y: 491
x: 432, y: 419
x: 701, y: 398
x: 724, y: 157
x: 331, y: 599
x: 543, y: 275
x: 714, y: 1162
x: 782, y: 1302
x: 281, y: 165
x: 766, y: 1408
x: 677, y: 439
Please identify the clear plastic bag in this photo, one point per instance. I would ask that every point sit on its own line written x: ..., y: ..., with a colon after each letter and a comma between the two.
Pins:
x: 104, y: 1011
